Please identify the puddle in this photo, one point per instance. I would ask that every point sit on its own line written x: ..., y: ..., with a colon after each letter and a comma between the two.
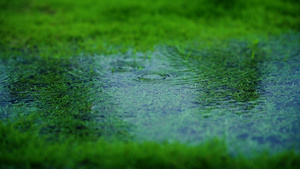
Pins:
x: 250, y: 99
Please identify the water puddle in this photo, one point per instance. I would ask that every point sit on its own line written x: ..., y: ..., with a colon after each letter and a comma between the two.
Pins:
x: 246, y: 94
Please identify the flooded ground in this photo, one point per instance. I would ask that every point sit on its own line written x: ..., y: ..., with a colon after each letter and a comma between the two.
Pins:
x: 246, y: 94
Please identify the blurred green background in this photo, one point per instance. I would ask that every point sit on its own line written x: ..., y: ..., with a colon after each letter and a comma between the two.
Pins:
x: 93, y: 25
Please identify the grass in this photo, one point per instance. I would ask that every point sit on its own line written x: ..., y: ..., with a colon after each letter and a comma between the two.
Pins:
x: 51, y: 121
x: 51, y: 124
x: 93, y: 26
x: 23, y: 150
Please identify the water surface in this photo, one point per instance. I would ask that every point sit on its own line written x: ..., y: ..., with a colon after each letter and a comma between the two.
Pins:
x: 246, y: 94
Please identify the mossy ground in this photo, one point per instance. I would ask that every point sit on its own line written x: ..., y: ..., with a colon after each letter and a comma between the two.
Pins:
x: 48, y: 82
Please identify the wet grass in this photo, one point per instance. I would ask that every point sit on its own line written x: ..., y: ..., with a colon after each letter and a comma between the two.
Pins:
x: 78, y: 110
x: 22, y: 150
x: 152, y: 84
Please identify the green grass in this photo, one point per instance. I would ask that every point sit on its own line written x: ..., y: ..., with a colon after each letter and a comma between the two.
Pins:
x: 51, y: 125
x: 29, y: 150
x: 94, y: 26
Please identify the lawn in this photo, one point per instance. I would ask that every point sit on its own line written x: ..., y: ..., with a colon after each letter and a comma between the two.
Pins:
x: 149, y: 84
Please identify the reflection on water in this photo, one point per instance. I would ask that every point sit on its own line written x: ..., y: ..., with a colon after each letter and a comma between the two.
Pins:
x: 192, y: 95
x: 247, y: 95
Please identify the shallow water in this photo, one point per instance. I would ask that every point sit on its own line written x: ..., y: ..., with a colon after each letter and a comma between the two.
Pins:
x: 169, y: 94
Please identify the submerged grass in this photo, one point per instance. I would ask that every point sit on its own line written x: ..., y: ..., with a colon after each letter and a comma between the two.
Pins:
x: 51, y: 123
x: 48, y: 119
